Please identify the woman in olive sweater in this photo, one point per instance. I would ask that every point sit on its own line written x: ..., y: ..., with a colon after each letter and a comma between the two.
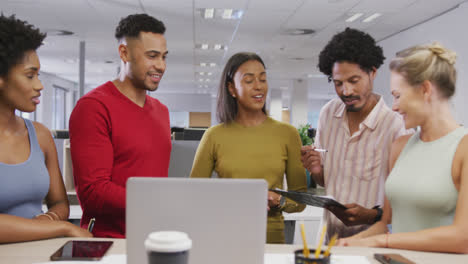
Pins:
x: 248, y: 143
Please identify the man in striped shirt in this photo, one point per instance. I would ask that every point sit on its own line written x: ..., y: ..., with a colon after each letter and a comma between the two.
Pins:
x: 357, y: 129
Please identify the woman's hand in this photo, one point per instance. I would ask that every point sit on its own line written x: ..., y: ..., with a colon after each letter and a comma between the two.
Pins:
x: 273, y: 200
x: 72, y: 230
x: 44, y: 217
x: 373, y: 241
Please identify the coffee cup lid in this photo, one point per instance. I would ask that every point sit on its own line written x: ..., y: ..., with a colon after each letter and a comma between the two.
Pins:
x: 168, y: 241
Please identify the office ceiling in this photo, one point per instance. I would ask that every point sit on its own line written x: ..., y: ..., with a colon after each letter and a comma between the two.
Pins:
x: 269, y: 27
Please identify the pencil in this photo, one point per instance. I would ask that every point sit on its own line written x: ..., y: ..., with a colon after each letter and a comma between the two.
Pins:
x: 317, y: 251
x: 306, y: 251
x: 330, y: 245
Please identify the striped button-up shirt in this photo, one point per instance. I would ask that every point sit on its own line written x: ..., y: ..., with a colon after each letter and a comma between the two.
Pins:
x: 356, y: 166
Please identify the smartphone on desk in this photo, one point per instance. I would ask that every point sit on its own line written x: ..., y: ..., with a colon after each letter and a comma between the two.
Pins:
x: 82, y: 250
x: 392, y: 259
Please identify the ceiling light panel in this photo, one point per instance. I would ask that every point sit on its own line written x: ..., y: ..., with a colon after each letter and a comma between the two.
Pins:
x: 207, y: 46
x: 221, y: 13
x: 208, y: 13
x: 371, y: 17
x: 227, y: 14
x: 206, y: 64
x: 354, y: 17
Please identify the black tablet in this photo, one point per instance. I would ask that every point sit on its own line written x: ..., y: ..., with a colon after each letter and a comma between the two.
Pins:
x: 82, y: 250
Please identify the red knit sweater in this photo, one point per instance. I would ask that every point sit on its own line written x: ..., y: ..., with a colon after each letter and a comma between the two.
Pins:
x: 111, y: 140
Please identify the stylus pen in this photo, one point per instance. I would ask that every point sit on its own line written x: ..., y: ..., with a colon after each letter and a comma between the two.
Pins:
x: 320, y: 150
x: 91, y: 224
x: 317, y: 149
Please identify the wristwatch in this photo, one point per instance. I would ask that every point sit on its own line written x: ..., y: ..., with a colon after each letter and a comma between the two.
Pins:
x: 379, y: 213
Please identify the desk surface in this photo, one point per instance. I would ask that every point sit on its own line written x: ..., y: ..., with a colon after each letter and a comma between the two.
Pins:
x: 39, y: 251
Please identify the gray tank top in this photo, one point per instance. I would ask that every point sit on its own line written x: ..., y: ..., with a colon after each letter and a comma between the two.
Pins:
x: 24, y: 185
x: 420, y: 186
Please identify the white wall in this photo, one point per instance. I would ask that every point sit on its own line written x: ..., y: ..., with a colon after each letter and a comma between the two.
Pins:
x: 275, y: 105
x: 185, y: 102
x: 44, y: 111
x: 298, y: 105
x: 179, y: 119
x: 450, y: 30
x: 314, y: 110
x: 320, y: 92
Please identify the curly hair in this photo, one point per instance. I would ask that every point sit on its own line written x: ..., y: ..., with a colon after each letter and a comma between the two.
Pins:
x: 352, y: 46
x: 16, y: 38
x: 132, y: 25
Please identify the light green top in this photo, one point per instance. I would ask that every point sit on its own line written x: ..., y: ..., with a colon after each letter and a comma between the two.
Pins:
x: 267, y: 151
x: 420, y: 187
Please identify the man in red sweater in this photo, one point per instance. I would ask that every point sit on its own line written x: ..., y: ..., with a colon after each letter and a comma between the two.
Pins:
x: 117, y: 131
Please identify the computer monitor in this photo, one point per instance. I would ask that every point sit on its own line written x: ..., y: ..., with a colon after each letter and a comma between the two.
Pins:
x: 182, y: 155
x: 193, y: 133
x: 225, y: 218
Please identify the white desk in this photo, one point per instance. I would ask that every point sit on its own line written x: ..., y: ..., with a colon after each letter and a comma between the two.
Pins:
x: 40, y: 251
x: 311, y: 216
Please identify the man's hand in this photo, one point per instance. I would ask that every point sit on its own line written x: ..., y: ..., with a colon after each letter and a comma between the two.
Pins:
x: 354, y: 215
x: 311, y: 160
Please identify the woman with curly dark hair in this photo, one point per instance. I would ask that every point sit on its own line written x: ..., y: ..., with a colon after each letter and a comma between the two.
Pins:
x: 28, y: 159
x: 357, y: 129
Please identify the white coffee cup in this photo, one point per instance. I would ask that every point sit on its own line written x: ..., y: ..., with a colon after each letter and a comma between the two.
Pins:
x: 168, y: 247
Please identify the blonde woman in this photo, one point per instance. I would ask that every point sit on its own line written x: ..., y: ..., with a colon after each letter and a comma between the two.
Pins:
x: 427, y: 189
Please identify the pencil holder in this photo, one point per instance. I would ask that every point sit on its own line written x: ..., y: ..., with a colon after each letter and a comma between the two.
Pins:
x: 299, y: 257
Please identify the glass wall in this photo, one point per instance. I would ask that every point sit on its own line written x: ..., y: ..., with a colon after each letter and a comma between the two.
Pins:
x: 60, y: 107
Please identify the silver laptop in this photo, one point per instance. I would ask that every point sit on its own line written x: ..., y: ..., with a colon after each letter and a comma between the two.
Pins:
x: 225, y: 218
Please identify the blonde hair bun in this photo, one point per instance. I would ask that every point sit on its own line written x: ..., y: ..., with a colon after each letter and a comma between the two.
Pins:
x: 431, y: 62
x: 437, y: 49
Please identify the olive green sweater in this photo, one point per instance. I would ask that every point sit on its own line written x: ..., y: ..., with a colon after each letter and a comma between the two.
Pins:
x: 268, y: 151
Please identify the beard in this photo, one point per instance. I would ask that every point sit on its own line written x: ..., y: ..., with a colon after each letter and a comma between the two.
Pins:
x: 351, y: 108
x: 141, y: 84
